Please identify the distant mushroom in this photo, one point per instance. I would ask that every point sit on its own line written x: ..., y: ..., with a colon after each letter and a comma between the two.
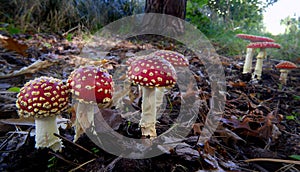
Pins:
x: 248, y: 59
x: 284, y: 67
x: 90, y: 86
x: 177, y: 60
x: 261, y: 55
x: 150, y: 72
x: 43, y: 98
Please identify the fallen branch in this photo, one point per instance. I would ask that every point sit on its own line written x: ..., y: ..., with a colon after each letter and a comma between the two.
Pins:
x: 80, y: 147
x: 81, y: 165
x: 273, y: 160
x: 34, y: 67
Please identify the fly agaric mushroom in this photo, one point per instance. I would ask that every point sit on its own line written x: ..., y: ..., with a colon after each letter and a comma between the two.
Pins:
x: 90, y: 86
x: 150, y: 72
x: 284, y: 67
x: 261, y: 55
x: 248, y: 59
x: 177, y: 60
x: 43, y: 98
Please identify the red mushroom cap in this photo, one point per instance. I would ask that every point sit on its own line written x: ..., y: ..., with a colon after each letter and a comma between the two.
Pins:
x: 42, y: 97
x: 175, y: 58
x: 263, y: 45
x: 286, y: 65
x: 152, y: 71
x: 254, y: 38
x: 91, y: 84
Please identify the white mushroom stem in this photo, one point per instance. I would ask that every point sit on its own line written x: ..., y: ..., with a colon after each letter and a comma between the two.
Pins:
x: 283, y: 76
x: 248, y: 61
x: 259, y: 63
x: 159, y: 96
x: 45, y: 129
x: 148, y: 117
x: 84, y: 118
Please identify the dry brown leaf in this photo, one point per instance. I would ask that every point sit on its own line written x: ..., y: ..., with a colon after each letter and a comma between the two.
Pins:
x: 197, y: 128
x: 13, y: 45
x: 80, y: 61
x: 208, y: 149
x: 29, y: 121
x: 20, y: 121
x: 34, y: 67
x: 229, y: 137
x: 269, y: 130
x: 237, y: 84
x: 110, y: 117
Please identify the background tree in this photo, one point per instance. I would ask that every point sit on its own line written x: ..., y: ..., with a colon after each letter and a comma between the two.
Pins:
x: 221, y: 20
x: 176, y: 8
x: 291, y: 24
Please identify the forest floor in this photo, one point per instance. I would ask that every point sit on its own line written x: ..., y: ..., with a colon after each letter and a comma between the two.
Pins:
x: 260, y: 119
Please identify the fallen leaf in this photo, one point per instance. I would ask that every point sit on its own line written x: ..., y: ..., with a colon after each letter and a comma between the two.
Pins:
x: 20, y: 121
x: 237, y: 84
x: 13, y: 45
x: 111, y: 117
x: 187, y: 152
x: 197, y: 128
x: 34, y: 67
x: 229, y: 137
x: 208, y: 149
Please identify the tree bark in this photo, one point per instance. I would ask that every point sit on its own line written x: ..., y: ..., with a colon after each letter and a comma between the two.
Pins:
x: 171, y: 25
x: 175, y: 8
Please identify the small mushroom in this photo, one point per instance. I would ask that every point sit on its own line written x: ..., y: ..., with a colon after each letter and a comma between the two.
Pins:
x: 248, y: 59
x: 261, y: 55
x: 90, y: 87
x: 150, y: 72
x: 285, y: 67
x: 43, y: 98
x: 177, y: 60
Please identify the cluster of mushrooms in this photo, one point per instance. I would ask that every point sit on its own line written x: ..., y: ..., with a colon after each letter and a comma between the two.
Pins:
x: 46, y: 97
x: 262, y: 43
x: 92, y: 87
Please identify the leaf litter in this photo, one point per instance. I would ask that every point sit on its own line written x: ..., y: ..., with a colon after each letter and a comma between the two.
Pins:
x: 254, y: 123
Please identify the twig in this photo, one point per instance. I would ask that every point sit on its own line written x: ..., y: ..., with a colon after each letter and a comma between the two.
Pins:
x: 285, y: 168
x: 72, y: 29
x: 62, y: 158
x: 273, y: 160
x: 6, y: 140
x: 81, y: 165
x: 77, y: 145
x: 260, y: 168
x: 28, y: 135
x: 112, y: 164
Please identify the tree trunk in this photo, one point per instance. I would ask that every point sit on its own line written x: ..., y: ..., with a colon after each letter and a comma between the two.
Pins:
x: 175, y: 8
x: 172, y: 26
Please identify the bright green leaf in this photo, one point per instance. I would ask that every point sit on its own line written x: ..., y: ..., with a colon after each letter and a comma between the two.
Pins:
x: 290, y: 117
x: 13, y: 30
x: 297, y: 157
x: 69, y: 37
x: 14, y: 89
x: 296, y: 97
